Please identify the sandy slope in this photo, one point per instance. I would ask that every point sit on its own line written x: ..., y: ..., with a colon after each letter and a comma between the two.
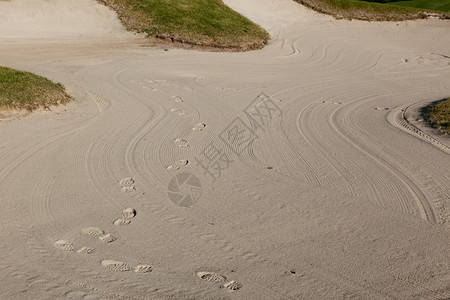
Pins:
x: 62, y: 19
x: 336, y: 198
x: 275, y: 15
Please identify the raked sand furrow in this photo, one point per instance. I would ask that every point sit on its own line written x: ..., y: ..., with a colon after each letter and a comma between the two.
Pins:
x: 388, y: 161
x: 309, y: 125
x: 436, y: 191
x: 111, y: 146
x: 387, y: 180
x: 299, y: 161
x: 356, y: 180
x: 390, y: 190
x: 139, y: 138
x: 317, y: 135
x: 337, y: 174
x: 395, y: 191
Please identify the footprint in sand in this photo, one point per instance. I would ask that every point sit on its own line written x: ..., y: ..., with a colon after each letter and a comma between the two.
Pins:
x: 177, y: 98
x: 211, y: 277
x: 69, y: 246
x: 107, y: 238
x: 64, y: 245
x: 178, y: 164
x: 143, y: 269
x: 199, y: 127
x: 233, y: 285
x: 86, y: 250
x: 121, y: 222
x: 181, y: 143
x: 126, y: 189
x: 127, y: 215
x: 127, y: 185
x: 178, y: 111
x: 95, y: 231
x: 215, y: 278
x: 117, y: 266
x: 120, y: 266
x: 127, y: 181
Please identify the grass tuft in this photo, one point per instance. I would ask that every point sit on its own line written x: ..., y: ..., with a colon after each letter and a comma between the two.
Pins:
x: 197, y: 22
x: 379, y: 10
x: 438, y: 115
x: 24, y: 90
x: 435, y: 5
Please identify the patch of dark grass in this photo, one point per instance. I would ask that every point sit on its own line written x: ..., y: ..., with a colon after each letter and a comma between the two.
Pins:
x: 435, y: 5
x: 24, y: 90
x: 198, y: 22
x: 438, y: 115
x: 371, y: 10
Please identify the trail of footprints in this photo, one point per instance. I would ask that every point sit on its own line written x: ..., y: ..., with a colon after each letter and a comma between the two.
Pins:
x: 179, y: 141
x: 206, y: 276
x: 120, y: 266
x: 127, y: 185
x: 127, y: 215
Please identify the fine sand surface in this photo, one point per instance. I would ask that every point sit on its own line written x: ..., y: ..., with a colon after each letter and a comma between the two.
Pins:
x: 334, y: 196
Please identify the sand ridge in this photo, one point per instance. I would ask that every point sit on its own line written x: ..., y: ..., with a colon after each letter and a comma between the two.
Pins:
x: 328, y: 198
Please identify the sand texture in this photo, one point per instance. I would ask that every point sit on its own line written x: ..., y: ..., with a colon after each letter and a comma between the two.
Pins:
x: 299, y: 171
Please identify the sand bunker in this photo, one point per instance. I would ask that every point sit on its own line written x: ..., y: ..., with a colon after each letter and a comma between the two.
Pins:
x: 284, y: 173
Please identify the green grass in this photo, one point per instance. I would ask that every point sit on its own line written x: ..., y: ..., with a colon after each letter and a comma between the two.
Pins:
x: 438, y: 115
x: 437, y: 5
x: 24, y: 90
x: 374, y: 11
x: 198, y: 22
